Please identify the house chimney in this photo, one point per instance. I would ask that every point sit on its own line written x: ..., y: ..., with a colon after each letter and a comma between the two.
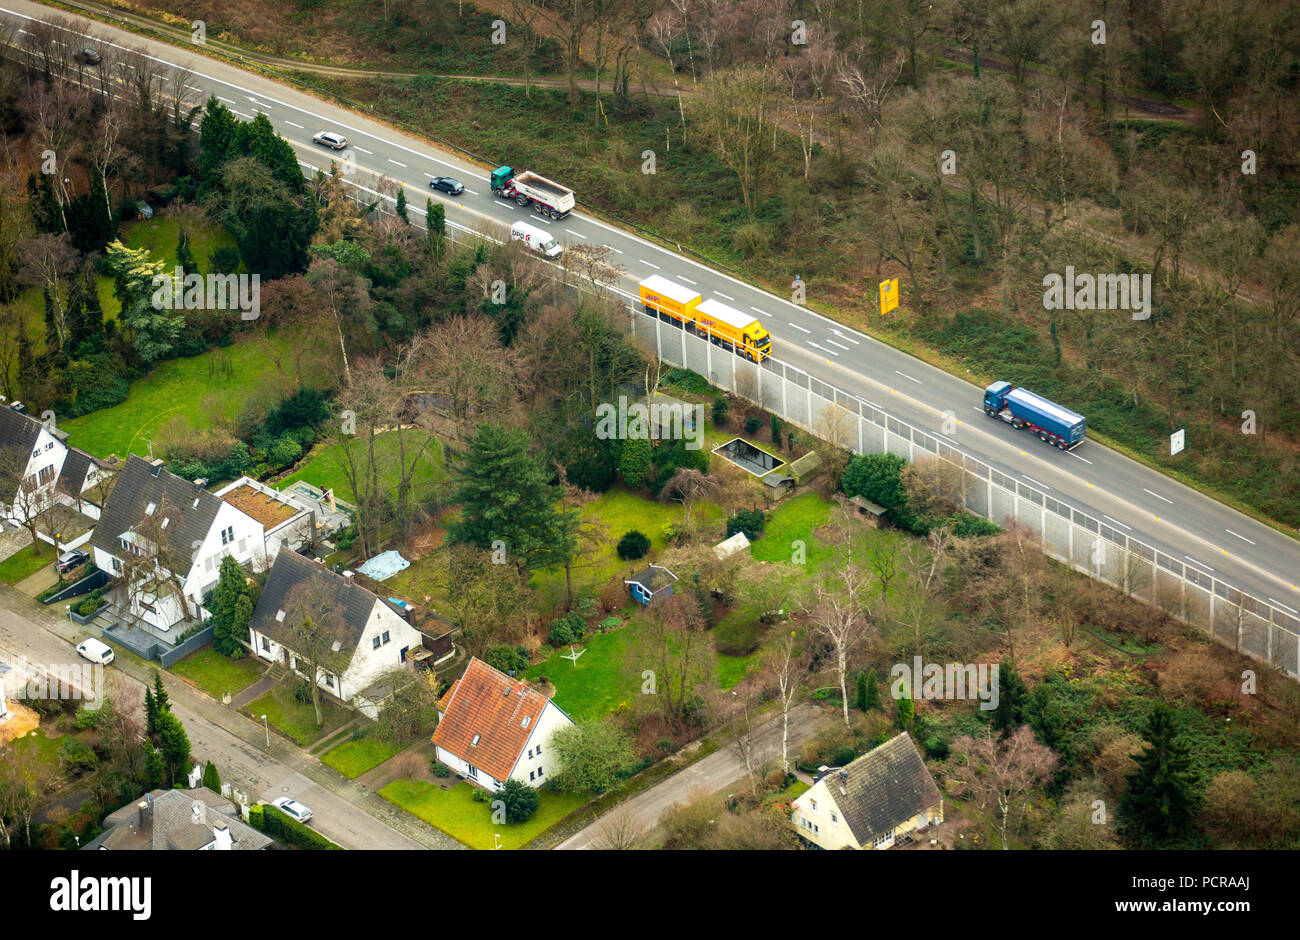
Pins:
x: 329, y: 497
x: 223, y: 838
x: 143, y: 807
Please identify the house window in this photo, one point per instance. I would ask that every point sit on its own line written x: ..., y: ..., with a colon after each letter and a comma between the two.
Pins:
x: 385, y: 637
x: 117, y: 564
x: 470, y: 770
x: 539, y: 750
x: 329, y: 681
x: 883, y: 838
x: 45, y: 475
x: 812, y: 804
x: 530, y: 776
x: 49, y: 446
x: 834, y: 818
x: 376, y: 643
x: 540, y: 773
x: 266, y: 644
x: 530, y: 753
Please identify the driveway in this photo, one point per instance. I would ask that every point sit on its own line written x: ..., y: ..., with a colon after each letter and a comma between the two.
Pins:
x: 709, y: 774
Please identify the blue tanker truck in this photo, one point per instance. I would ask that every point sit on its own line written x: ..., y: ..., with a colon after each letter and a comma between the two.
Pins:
x: 1023, y: 409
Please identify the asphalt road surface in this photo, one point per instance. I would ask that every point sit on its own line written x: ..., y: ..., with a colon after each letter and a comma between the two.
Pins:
x: 240, y: 762
x: 1138, y: 501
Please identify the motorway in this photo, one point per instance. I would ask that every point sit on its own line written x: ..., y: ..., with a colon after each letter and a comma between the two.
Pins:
x: 1135, y: 499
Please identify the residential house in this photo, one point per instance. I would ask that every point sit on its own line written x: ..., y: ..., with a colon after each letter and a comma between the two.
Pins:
x: 152, y: 513
x: 180, y: 820
x: 492, y: 728
x: 877, y: 799
x: 367, y: 639
x: 288, y: 519
x: 651, y: 583
x: 53, y: 473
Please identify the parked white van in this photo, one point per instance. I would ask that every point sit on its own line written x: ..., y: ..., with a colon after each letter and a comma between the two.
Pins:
x: 536, y: 239
x: 96, y: 651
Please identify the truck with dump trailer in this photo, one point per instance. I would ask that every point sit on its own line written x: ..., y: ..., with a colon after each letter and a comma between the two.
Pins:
x: 546, y: 196
x: 1047, y: 420
x: 686, y: 308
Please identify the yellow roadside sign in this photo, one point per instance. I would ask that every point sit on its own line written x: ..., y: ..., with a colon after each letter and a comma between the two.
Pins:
x: 888, y: 295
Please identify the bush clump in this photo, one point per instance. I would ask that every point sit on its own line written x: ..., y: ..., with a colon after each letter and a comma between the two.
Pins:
x: 633, y: 545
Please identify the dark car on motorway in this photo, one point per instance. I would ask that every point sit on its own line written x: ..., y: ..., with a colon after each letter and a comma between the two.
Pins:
x: 89, y: 57
x: 446, y: 184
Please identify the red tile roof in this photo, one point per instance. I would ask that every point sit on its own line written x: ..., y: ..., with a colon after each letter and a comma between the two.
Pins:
x: 491, y: 705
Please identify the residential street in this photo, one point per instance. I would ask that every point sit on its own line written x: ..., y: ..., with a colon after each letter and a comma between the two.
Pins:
x: 710, y: 774
x: 344, y: 811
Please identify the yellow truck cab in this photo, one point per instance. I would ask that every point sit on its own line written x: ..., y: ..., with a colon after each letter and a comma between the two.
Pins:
x: 729, y: 324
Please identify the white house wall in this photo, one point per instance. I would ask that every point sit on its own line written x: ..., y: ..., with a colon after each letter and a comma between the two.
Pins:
x: 368, y: 664
x: 247, y: 546
x: 550, y: 721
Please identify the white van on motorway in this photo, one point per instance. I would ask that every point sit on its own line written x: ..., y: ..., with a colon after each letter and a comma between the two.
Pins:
x: 536, y: 239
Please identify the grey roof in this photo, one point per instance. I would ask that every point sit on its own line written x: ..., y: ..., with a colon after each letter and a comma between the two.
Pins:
x: 171, y: 824
x: 18, y: 430
x: 883, y: 788
x: 76, y: 464
x: 191, y: 508
x: 654, y: 578
x: 353, y: 602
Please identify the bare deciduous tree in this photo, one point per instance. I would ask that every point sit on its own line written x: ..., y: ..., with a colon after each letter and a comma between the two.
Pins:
x: 1001, y: 771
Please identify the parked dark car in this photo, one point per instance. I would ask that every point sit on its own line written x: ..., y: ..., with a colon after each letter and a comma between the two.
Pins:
x: 74, y: 558
x: 447, y: 185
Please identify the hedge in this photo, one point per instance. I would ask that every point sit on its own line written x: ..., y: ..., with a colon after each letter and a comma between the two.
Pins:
x: 276, y: 824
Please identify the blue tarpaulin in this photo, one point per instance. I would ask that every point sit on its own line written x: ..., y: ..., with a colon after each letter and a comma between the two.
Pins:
x: 384, y: 565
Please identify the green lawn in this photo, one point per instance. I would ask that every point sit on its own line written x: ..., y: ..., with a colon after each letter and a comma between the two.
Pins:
x: 731, y: 669
x: 45, y: 748
x: 455, y: 813
x: 620, y: 510
x: 24, y: 563
x: 325, y: 467
x: 217, y: 674
x: 794, y: 520
x: 297, y: 721
x: 353, y: 758
x: 599, y: 681
x: 224, y: 378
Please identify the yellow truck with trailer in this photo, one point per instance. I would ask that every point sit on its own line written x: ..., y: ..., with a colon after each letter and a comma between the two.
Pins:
x: 672, y: 302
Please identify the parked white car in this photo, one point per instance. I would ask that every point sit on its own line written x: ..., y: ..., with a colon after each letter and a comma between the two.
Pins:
x: 292, y: 808
x: 95, y: 651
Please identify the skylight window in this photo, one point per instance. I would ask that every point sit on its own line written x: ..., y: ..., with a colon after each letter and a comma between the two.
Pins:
x: 475, y: 741
x: 148, y: 510
x: 524, y: 723
x: 279, y: 616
